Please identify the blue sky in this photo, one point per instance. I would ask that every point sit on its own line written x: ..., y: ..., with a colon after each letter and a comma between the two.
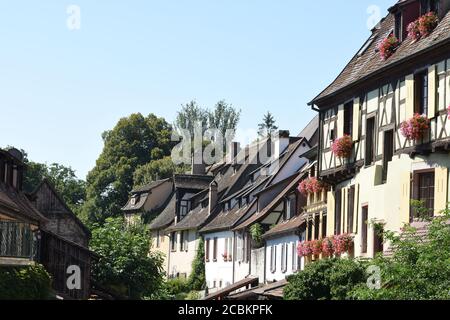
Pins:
x: 60, y: 89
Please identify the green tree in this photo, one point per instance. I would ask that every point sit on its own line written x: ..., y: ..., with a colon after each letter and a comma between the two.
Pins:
x: 267, y: 127
x: 419, y: 268
x: 64, y: 179
x: 223, y: 117
x: 197, y: 278
x: 125, y: 264
x: 134, y: 141
x: 155, y: 170
x: 188, y: 117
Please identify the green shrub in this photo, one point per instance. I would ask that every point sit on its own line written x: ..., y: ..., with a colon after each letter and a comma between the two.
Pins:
x: 176, y: 286
x: 325, y: 279
x: 197, y: 278
x: 193, y: 295
x: 25, y: 283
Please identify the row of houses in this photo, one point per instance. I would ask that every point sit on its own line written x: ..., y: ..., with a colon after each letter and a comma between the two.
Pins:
x: 39, y: 227
x: 380, y: 139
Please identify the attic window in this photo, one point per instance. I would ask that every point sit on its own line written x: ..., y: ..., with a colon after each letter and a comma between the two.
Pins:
x: 429, y: 6
x: 134, y: 200
x: 398, y: 26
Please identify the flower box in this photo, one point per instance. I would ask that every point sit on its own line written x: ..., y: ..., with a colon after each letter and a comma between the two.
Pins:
x: 342, y: 243
x: 342, y: 147
x: 415, y: 128
x: 316, y: 246
x: 388, y: 46
x: 311, y: 185
x: 327, y: 247
x: 304, y: 249
x: 423, y: 26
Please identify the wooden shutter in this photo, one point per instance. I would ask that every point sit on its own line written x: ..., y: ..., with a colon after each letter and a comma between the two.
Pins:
x: 356, y: 217
x: 340, y: 121
x: 215, y: 249
x: 364, y: 228
x: 350, y: 209
x: 239, y: 247
x: 447, y: 85
x: 405, y: 197
x: 409, y: 82
x: 207, y: 250
x: 356, y: 120
x: 440, y: 189
x: 330, y: 212
x: 432, y: 91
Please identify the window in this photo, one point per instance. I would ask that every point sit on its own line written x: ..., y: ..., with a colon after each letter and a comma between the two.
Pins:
x: 378, y: 241
x: 173, y: 241
x: 317, y: 226
x: 421, y: 93
x: 157, y: 239
x: 370, y: 141
x: 289, y: 208
x: 388, y: 151
x: 348, y: 118
x: 350, y: 209
x: 207, y: 250
x: 184, y: 208
x: 215, y: 250
x: 365, y: 225
x: 429, y: 5
x: 246, y: 250
x: 399, y: 26
x: 284, y: 257
x: 184, y: 240
x: 324, y: 225
x: 273, y: 259
x: 332, y: 135
x: 423, y: 190
x: 294, y: 257
x: 225, y: 250
x: 338, y: 213
x: 310, y: 229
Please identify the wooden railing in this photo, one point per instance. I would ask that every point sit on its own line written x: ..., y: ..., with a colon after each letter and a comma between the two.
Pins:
x: 16, y: 240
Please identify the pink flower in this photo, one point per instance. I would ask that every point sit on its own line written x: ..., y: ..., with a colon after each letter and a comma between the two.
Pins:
x: 327, y: 247
x: 423, y: 26
x: 342, y: 243
x: 316, y: 246
x: 388, y: 46
x: 304, y: 249
x: 414, y: 128
x: 413, y: 30
x: 448, y: 111
x: 311, y: 185
x: 342, y: 147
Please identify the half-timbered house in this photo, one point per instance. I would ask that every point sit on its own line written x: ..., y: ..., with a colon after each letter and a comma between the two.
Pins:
x: 370, y: 101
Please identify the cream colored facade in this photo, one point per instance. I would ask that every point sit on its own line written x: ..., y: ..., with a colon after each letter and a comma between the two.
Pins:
x: 384, y: 187
x: 181, y: 257
x: 160, y: 243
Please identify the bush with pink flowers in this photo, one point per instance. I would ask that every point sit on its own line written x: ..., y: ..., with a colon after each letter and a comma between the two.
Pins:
x: 415, y: 128
x: 388, y: 46
x: 342, y: 147
x: 311, y: 185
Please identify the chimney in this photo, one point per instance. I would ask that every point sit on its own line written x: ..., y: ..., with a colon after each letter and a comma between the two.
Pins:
x: 212, y: 196
x: 198, y: 167
x: 281, y: 142
x: 235, y: 148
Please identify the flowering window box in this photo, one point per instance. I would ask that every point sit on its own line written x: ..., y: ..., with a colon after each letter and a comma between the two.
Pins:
x: 311, y: 185
x: 388, y: 46
x: 415, y: 128
x: 342, y: 147
x: 423, y: 26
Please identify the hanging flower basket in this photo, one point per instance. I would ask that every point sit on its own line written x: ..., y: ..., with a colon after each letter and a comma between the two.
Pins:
x: 415, y: 128
x: 304, y: 249
x: 388, y: 46
x: 327, y: 247
x: 311, y: 185
x: 316, y: 246
x: 342, y: 243
x: 342, y: 147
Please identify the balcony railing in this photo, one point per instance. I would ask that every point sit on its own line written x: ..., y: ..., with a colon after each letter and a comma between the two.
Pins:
x: 16, y: 240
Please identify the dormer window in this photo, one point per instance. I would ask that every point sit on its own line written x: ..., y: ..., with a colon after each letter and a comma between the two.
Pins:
x: 398, y: 32
x: 184, y: 208
x: 429, y: 6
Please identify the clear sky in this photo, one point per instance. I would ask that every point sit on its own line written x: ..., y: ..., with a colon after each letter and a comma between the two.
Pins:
x: 61, y: 88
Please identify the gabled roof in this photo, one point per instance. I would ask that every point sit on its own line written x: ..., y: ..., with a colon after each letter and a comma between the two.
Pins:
x: 195, y: 219
x: 150, y: 186
x: 68, y: 211
x: 368, y: 63
x: 138, y: 205
x: 286, y: 226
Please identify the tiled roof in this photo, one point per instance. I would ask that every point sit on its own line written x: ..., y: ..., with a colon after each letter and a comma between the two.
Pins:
x: 138, y: 205
x: 193, y: 220
x: 364, y: 65
x: 150, y: 186
x: 167, y: 216
x: 285, y: 226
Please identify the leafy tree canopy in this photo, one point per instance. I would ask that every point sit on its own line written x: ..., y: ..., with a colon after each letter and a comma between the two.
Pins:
x: 135, y: 140
x: 125, y: 264
x: 267, y: 127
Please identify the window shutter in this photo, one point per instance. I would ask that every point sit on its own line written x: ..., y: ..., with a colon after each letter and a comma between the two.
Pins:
x: 432, y: 91
x: 330, y: 212
x: 405, y: 197
x: 340, y: 121
x: 356, y: 120
x: 355, y: 222
x: 440, y: 189
x: 239, y: 248
x: 409, y: 80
